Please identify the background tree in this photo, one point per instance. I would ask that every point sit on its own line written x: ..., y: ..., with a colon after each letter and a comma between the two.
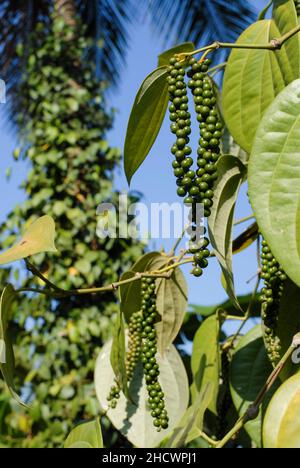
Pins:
x: 107, y: 24
x: 71, y: 174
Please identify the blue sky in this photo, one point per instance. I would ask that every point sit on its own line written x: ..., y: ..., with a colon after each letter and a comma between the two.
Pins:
x: 154, y: 179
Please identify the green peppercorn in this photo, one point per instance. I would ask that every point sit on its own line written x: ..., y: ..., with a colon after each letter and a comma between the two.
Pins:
x: 274, y: 278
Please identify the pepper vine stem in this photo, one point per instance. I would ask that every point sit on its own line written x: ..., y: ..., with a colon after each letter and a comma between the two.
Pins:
x: 253, y: 410
x: 229, y: 344
x: 60, y: 293
x: 274, y: 44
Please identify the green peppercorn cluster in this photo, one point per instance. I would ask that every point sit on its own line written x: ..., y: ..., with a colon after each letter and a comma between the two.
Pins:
x: 210, y: 127
x: 134, y: 344
x: 132, y: 356
x: 274, y: 278
x: 297, y: 5
x: 181, y: 127
x: 195, y: 187
x: 113, y: 396
x: 149, y: 349
x: 201, y: 253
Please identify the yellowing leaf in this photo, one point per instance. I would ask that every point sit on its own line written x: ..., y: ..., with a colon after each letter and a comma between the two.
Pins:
x: 282, y: 424
x: 38, y: 238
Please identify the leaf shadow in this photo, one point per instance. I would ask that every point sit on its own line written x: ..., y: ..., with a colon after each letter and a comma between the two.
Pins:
x: 200, y: 372
x: 134, y: 389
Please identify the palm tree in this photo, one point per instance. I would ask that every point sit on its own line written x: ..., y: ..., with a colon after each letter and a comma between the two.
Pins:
x: 107, y: 24
x: 201, y: 21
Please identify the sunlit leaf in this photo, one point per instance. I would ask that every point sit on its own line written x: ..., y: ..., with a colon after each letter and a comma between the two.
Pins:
x: 274, y: 179
x: 38, y: 238
x: 281, y: 427
x: 252, y: 80
x: 145, y: 120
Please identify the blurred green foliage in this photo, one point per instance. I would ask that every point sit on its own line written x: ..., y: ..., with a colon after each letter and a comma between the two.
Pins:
x: 64, y: 121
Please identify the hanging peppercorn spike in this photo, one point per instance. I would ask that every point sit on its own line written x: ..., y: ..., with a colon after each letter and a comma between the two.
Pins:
x: 274, y: 279
x: 195, y: 186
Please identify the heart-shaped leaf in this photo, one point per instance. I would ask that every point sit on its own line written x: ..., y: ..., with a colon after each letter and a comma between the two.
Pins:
x: 145, y: 120
x: 132, y: 417
x: 38, y: 238
x: 85, y: 435
x: 252, y: 80
x: 274, y: 179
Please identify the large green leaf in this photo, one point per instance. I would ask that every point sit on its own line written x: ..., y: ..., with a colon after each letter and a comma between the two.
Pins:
x: 282, y: 423
x: 38, y: 238
x: 191, y: 424
x: 285, y: 17
x: 165, y: 57
x: 118, y: 354
x: 250, y: 369
x: 145, y: 120
x: 252, y: 80
x: 288, y: 323
x: 230, y: 176
x: 274, y: 179
x: 132, y: 417
x: 171, y: 302
x: 205, y: 361
x: 85, y: 435
x: 7, y: 360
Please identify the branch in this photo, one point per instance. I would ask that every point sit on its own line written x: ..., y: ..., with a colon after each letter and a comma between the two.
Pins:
x: 60, y: 293
x: 274, y: 44
x: 36, y: 272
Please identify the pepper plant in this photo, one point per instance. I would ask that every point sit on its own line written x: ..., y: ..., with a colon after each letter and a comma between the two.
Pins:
x: 234, y: 391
